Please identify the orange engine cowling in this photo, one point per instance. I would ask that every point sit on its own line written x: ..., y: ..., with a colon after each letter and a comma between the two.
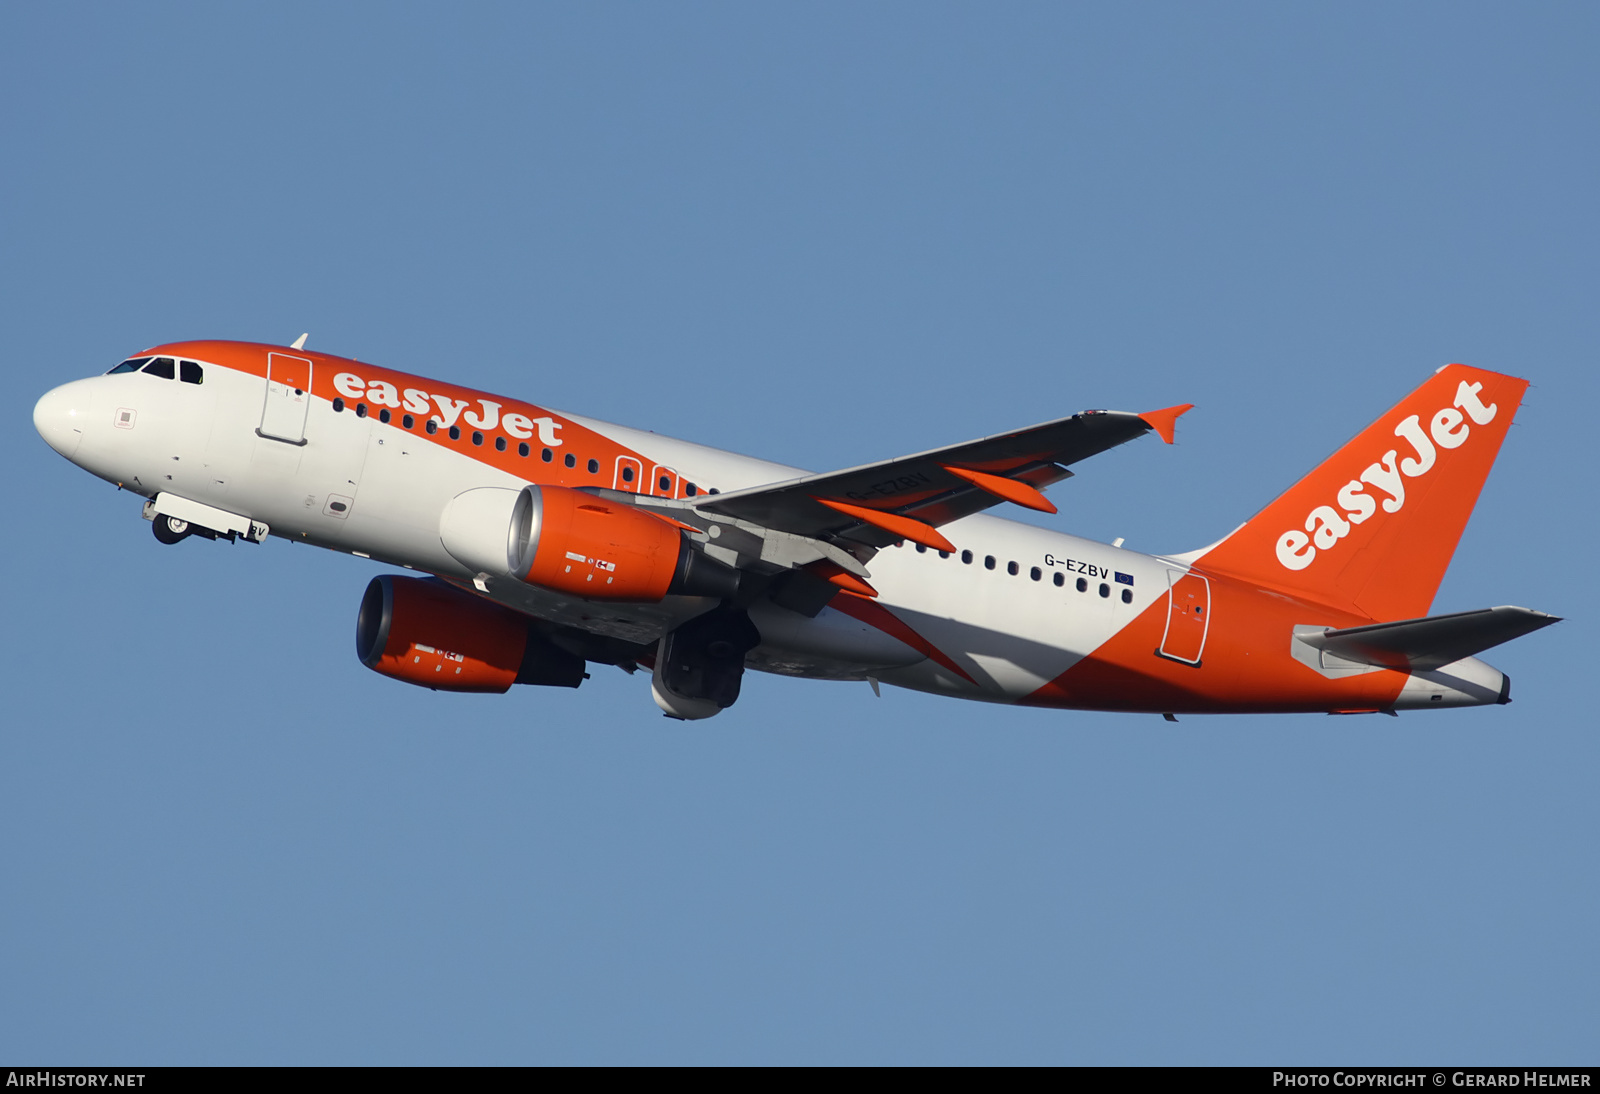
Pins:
x: 577, y: 543
x: 563, y: 539
x: 426, y: 632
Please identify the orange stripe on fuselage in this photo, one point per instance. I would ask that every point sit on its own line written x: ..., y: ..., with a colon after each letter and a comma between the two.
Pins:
x: 1246, y: 665
x: 585, y: 444
x: 876, y: 615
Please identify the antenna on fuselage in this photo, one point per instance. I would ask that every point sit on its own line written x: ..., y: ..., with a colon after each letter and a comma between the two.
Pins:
x: 300, y: 343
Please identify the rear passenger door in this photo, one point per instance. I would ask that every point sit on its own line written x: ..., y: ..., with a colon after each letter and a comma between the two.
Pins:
x: 1188, y: 617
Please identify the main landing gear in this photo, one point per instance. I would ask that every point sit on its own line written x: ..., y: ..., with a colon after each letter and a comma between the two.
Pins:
x: 699, y: 665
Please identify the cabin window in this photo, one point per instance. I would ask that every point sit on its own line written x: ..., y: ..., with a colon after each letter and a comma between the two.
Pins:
x: 384, y: 415
x: 433, y: 425
x: 571, y: 460
x: 944, y: 554
x: 988, y: 562
x: 1013, y: 569
x: 338, y: 406
x: 1083, y: 584
x: 1105, y: 590
x: 691, y: 490
x: 164, y: 367
x: 546, y: 455
x: 132, y: 364
x: 190, y: 372
x: 523, y: 449
x: 1036, y: 573
x: 922, y: 549
x: 499, y: 444
x: 1127, y: 596
x: 408, y: 421
x: 1060, y: 579
x: 455, y: 433
x: 361, y: 410
x: 594, y: 467
x: 627, y: 474
x: 966, y: 556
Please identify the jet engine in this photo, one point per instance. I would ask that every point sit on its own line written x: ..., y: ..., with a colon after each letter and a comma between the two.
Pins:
x: 578, y: 544
x: 426, y: 632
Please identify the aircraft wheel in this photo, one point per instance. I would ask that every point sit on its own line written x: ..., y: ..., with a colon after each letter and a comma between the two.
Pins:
x: 169, y: 529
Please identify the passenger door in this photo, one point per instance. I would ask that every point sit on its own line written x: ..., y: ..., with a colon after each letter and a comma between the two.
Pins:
x: 283, y: 415
x: 1188, y: 617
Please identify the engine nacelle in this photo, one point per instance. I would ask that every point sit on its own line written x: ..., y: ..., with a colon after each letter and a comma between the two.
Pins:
x: 578, y: 544
x: 429, y: 633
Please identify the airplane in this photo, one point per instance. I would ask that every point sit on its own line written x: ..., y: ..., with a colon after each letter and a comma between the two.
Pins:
x: 537, y: 542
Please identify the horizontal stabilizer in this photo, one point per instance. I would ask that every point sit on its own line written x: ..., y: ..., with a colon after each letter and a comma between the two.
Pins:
x: 1415, y: 645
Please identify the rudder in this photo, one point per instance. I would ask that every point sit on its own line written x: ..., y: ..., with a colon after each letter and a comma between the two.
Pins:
x: 1373, y: 528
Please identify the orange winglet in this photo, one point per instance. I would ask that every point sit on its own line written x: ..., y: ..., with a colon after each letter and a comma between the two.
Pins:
x: 905, y: 527
x: 1019, y: 493
x: 1165, y: 421
x: 838, y: 575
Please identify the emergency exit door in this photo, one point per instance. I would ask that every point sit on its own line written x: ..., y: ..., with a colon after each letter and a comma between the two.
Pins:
x: 1188, y: 617
x: 283, y: 415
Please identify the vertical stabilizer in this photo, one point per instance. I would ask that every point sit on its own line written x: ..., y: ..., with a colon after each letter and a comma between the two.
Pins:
x: 1374, y: 527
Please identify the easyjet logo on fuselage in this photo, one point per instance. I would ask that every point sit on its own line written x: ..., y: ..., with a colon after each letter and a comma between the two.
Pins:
x: 1325, y: 525
x: 416, y: 401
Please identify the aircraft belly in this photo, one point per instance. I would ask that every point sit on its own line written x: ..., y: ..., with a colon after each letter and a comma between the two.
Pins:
x: 632, y: 622
x: 833, y: 645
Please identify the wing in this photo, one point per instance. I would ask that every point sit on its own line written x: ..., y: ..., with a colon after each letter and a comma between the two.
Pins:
x: 909, y: 497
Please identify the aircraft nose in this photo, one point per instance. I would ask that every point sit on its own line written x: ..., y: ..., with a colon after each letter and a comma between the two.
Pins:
x: 61, y: 415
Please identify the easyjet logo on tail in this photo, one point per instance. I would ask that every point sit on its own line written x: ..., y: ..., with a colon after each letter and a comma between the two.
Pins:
x: 1326, y: 525
x: 417, y: 401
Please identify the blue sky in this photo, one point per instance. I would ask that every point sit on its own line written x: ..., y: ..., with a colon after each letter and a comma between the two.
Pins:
x: 822, y: 234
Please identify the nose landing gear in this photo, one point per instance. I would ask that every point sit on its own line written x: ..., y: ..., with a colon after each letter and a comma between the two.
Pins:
x: 170, y: 529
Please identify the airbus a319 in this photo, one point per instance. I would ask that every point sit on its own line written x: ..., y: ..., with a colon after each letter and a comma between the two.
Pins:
x: 536, y: 543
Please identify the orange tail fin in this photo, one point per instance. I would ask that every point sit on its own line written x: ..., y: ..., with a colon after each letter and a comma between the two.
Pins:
x: 1374, y: 527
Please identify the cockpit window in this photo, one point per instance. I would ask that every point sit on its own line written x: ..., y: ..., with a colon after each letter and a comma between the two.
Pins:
x: 132, y: 364
x: 190, y: 372
x: 162, y: 367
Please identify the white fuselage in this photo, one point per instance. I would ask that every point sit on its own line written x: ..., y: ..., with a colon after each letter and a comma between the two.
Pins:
x: 1006, y: 617
x: 1010, y: 633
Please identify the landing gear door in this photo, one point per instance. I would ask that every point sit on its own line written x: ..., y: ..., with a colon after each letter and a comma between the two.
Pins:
x: 1188, y: 617
x: 283, y: 415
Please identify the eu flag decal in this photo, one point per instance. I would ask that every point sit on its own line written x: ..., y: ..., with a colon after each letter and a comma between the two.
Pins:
x: 1125, y: 579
